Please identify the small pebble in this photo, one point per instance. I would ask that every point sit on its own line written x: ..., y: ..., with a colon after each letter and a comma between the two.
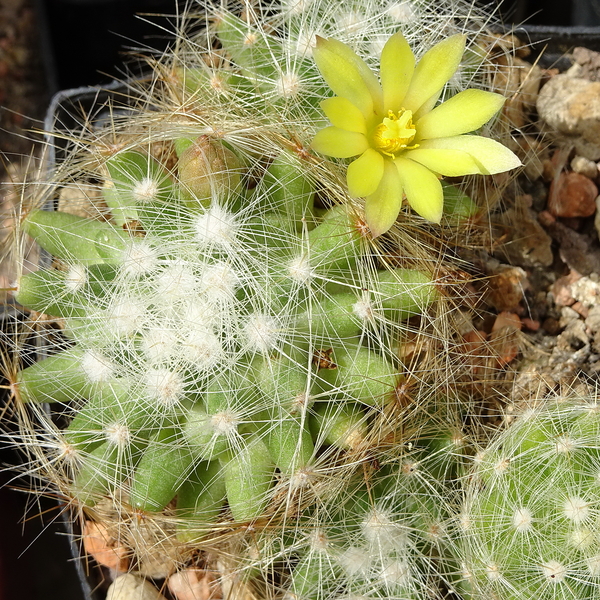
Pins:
x: 503, y: 338
x: 580, y: 309
x: 567, y: 316
x: 130, y: 587
x: 506, y: 287
x: 592, y: 321
x: 586, y: 290
x: 572, y: 195
x: 194, y: 584
x: 571, y: 107
x: 530, y: 324
x: 551, y: 326
x: 474, y: 341
x: 584, y: 166
x: 508, y: 320
x: 561, y: 289
x: 101, y: 546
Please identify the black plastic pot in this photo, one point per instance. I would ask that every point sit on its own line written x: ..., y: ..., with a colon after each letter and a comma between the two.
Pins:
x: 39, y: 554
x: 85, y: 42
x: 551, y: 44
x: 73, y: 110
x: 40, y: 551
x: 36, y: 560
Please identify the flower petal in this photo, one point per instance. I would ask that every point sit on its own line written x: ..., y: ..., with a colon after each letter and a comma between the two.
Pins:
x: 343, y: 114
x: 397, y: 67
x: 428, y: 105
x: 451, y: 163
x: 422, y: 188
x: 365, y: 173
x: 348, y: 75
x: 382, y: 207
x: 339, y: 143
x: 434, y: 70
x: 467, y: 111
x: 491, y: 156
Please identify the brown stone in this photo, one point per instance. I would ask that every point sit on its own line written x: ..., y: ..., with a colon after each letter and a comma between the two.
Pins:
x: 572, y: 195
x: 506, y: 287
x: 99, y: 544
x: 561, y: 289
x: 530, y: 324
x: 504, y: 337
x: 507, y: 320
x: 194, y: 584
x: 571, y: 107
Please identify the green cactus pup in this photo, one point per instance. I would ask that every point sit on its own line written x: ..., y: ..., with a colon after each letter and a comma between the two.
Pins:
x: 390, y: 535
x: 530, y: 520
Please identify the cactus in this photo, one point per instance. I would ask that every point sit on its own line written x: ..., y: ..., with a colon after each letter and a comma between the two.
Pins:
x: 199, y: 345
x: 243, y: 363
x: 387, y: 536
x: 530, y: 519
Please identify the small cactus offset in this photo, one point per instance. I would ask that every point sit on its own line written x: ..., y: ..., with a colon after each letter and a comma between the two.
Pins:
x: 255, y: 349
x: 530, y: 519
x: 390, y: 538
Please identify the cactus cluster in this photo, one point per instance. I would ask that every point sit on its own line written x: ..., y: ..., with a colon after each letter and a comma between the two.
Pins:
x: 224, y: 339
x: 242, y: 362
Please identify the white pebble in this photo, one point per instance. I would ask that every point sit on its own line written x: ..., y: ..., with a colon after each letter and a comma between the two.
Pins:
x: 130, y: 587
x: 584, y: 166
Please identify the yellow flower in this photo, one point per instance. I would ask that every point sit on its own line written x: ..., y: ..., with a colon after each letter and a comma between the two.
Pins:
x: 405, y: 144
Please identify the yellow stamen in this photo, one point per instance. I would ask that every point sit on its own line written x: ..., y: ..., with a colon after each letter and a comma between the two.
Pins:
x: 395, y: 133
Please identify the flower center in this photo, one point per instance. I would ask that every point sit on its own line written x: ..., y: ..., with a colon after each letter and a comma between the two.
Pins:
x: 395, y: 133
